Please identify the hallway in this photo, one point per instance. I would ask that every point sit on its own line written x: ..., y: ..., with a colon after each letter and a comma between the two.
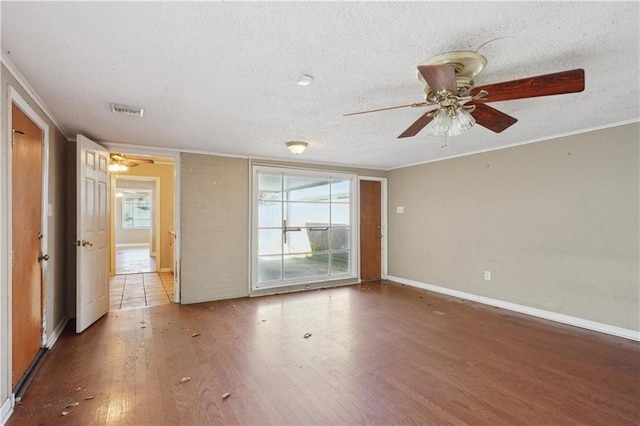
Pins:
x: 131, y: 260
x: 140, y: 290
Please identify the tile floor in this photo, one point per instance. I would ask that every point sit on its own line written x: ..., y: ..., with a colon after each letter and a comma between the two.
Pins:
x: 140, y: 290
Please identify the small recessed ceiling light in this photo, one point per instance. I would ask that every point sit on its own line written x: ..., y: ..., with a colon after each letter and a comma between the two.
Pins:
x: 127, y: 110
x: 305, y: 80
x: 297, y: 147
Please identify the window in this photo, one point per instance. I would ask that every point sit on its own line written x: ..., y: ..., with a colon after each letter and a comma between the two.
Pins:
x: 136, y: 210
x: 303, y: 227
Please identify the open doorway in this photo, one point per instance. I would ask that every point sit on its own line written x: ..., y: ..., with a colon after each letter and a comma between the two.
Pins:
x: 136, y: 226
x: 142, y: 231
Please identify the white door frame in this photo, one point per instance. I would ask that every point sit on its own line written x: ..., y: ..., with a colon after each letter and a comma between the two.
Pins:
x: 156, y: 214
x: 175, y: 155
x: 14, y: 97
x: 21, y: 103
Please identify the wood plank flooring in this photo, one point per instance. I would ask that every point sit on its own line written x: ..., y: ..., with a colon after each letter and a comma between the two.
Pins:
x: 379, y: 353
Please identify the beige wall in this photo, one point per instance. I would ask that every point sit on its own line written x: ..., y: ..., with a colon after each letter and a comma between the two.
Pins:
x: 215, y: 223
x: 555, y: 222
x: 54, y: 278
x: 214, y: 230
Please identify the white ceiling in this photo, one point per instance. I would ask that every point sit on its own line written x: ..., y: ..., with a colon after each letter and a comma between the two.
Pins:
x: 221, y: 77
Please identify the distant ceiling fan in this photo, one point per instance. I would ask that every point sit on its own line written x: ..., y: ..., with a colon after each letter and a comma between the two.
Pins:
x: 120, y: 163
x: 459, y: 104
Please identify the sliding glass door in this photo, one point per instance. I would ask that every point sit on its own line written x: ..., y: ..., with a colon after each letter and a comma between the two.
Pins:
x: 303, y: 227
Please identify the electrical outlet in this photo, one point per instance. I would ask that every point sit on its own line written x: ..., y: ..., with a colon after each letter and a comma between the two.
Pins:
x: 487, y: 275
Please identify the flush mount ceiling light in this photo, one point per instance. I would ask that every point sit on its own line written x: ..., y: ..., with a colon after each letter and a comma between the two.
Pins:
x: 305, y: 80
x: 127, y: 110
x: 297, y: 147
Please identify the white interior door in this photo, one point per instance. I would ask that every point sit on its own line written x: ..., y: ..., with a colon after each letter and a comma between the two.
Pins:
x: 92, y: 276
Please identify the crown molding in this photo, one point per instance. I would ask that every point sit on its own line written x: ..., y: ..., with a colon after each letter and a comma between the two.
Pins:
x: 31, y: 92
x: 498, y: 148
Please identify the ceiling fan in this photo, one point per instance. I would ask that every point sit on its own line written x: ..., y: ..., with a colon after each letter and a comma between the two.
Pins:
x: 459, y: 104
x: 120, y: 163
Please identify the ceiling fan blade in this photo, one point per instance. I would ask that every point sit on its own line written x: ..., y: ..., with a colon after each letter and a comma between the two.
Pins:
x: 117, y: 157
x: 414, y: 105
x: 141, y: 160
x: 543, y: 85
x: 418, y: 125
x: 440, y: 77
x: 492, y: 119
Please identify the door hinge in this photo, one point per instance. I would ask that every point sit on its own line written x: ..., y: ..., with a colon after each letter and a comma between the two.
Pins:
x: 13, y: 134
x: 12, y: 257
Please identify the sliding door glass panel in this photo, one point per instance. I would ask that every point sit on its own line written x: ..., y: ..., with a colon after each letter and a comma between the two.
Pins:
x: 297, y: 242
x: 341, y: 190
x: 306, y: 266
x: 340, y: 215
x: 302, y: 227
x: 340, y: 238
x: 297, y: 188
x: 269, y: 268
x: 270, y: 214
x: 269, y: 241
x: 270, y: 187
x: 306, y: 214
x: 340, y: 262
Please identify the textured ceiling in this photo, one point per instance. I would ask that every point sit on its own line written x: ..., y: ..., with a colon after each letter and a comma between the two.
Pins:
x: 221, y: 77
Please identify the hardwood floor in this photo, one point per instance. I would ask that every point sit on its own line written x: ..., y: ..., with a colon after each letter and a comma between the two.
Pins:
x: 379, y: 353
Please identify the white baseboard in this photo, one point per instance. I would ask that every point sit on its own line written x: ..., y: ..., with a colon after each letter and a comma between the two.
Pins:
x: 6, y: 410
x: 540, y: 313
x: 57, y: 332
x: 165, y: 270
x: 132, y: 245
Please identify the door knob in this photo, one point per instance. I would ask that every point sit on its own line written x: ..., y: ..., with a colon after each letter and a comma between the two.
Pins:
x: 86, y: 243
x: 42, y: 257
x: 379, y: 235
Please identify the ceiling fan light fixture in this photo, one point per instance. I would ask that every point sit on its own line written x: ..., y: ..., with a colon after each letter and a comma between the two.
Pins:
x: 452, y: 121
x: 441, y: 124
x: 462, y: 122
x: 297, y: 147
x: 117, y: 167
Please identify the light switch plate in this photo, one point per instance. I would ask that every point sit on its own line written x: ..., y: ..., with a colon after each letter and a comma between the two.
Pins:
x: 400, y: 209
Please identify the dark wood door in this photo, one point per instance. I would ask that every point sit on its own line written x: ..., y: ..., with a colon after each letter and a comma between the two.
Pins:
x: 370, y: 230
x: 26, y: 194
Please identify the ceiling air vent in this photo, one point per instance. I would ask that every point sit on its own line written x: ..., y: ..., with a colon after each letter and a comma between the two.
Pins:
x: 127, y: 110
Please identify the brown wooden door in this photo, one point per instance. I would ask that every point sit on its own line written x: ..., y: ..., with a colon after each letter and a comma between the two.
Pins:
x: 370, y: 230
x: 26, y: 193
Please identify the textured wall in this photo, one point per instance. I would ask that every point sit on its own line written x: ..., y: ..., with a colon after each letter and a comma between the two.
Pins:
x: 214, y: 199
x: 556, y: 223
